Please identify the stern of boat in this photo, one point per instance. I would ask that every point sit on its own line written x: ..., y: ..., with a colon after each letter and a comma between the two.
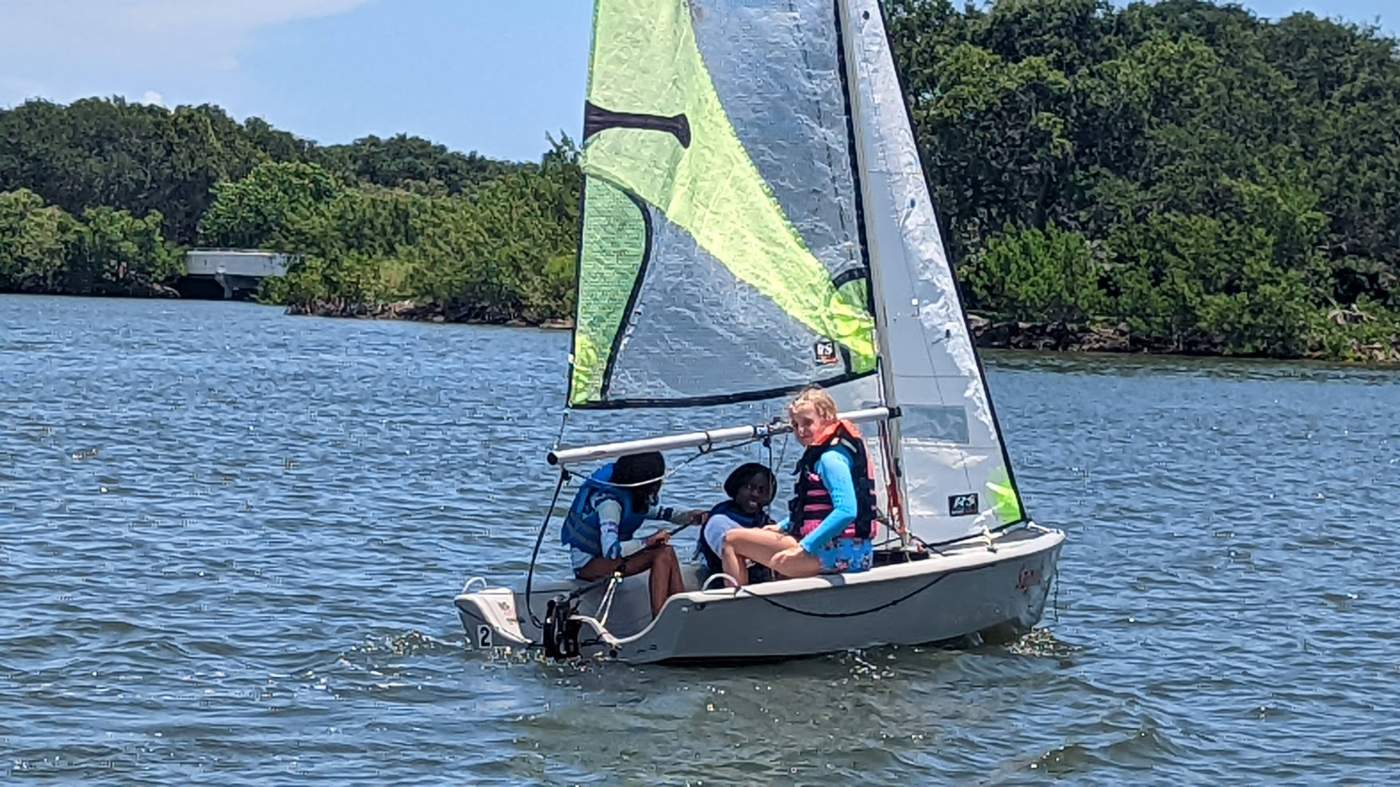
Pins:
x: 490, y: 616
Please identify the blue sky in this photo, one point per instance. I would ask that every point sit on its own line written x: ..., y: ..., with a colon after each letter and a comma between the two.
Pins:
x: 485, y: 75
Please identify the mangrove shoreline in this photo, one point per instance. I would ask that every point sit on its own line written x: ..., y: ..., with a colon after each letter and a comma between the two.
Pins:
x: 988, y: 332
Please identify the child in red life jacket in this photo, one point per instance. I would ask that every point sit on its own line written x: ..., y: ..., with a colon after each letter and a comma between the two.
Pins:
x: 831, y: 517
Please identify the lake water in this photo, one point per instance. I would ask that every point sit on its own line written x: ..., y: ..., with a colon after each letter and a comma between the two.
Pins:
x: 229, y: 542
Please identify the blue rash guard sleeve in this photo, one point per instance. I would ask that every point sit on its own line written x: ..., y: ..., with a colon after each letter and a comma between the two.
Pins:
x: 834, y: 469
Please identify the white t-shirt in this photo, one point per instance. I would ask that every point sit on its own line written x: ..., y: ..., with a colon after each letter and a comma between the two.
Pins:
x: 715, y: 529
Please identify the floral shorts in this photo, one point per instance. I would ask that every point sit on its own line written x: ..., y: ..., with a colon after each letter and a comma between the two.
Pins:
x: 842, y: 555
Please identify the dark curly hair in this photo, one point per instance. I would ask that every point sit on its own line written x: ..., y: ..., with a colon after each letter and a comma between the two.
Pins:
x: 636, y: 468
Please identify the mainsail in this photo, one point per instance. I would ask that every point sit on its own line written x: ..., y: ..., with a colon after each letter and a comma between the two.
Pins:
x: 755, y: 220
x: 721, y: 256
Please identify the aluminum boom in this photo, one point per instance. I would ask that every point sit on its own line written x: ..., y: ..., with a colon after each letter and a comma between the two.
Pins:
x: 733, y: 434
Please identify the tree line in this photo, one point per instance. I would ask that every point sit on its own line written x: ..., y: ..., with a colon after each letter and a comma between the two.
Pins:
x: 1196, y: 177
x: 1212, y: 181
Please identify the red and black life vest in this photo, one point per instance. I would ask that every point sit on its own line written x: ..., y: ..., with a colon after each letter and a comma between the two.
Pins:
x: 811, y: 502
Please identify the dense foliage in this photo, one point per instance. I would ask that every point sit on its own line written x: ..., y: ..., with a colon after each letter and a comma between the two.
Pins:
x: 1198, y: 178
x: 44, y: 249
x: 506, y: 254
x: 375, y: 221
x: 141, y: 158
x: 1216, y: 182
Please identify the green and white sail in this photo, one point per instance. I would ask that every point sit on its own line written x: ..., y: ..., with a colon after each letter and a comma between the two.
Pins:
x: 721, y: 257
x: 755, y: 220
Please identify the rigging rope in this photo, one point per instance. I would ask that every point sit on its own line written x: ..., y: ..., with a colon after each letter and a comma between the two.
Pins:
x: 539, y: 539
x: 870, y: 611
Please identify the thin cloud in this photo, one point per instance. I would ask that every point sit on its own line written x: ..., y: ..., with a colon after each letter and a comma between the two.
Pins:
x: 79, y: 45
x: 183, y: 16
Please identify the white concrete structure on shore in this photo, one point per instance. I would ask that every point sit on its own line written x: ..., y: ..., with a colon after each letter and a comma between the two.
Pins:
x: 235, y: 262
x: 236, y: 270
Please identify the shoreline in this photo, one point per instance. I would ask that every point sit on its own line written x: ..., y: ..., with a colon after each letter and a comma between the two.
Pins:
x: 414, y: 312
x: 988, y: 332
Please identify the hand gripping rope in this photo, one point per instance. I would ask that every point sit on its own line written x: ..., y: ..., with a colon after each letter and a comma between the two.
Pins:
x: 560, y: 624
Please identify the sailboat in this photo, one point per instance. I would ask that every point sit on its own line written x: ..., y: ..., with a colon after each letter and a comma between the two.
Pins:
x: 755, y: 221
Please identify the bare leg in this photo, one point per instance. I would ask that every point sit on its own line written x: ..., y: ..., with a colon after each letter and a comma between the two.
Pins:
x: 802, y: 565
x: 665, y: 576
x: 734, y: 565
x: 677, y: 580
x: 762, y: 546
x: 660, y: 561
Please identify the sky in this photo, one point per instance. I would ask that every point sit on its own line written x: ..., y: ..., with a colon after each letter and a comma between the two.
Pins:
x: 491, y: 76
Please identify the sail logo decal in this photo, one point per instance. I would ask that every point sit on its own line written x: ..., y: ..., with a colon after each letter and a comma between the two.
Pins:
x: 962, y: 505
x: 825, y: 352
x: 596, y: 119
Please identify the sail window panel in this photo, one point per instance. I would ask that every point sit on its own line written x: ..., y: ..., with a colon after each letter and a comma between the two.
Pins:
x: 729, y: 124
x: 934, y: 423
x: 776, y: 68
x: 697, y: 332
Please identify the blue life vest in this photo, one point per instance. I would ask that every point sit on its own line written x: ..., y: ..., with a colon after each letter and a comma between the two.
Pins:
x: 581, y: 529
x: 732, y: 511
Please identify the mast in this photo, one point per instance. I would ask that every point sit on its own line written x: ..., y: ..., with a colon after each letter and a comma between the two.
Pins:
x: 889, y: 430
x: 954, y: 471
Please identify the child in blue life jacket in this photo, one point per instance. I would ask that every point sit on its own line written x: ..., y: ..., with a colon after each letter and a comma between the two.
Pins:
x: 609, y: 509
x: 751, y: 488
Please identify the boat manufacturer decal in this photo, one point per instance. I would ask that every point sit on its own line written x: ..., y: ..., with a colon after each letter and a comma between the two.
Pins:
x: 962, y: 505
x: 825, y: 352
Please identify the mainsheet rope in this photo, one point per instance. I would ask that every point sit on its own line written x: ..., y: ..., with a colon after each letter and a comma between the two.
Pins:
x: 704, y: 450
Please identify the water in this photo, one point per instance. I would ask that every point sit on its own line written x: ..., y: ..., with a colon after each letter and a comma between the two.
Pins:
x: 229, y: 540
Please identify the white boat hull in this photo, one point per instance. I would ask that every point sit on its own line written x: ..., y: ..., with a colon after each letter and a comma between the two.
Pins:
x: 997, y: 591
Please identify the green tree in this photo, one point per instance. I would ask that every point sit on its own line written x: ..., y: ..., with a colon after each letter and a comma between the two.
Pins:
x: 35, y: 240
x: 118, y: 254
x: 254, y: 212
x: 1032, y: 274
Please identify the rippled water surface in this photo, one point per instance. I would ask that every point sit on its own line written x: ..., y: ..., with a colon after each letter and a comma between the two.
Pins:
x: 229, y: 542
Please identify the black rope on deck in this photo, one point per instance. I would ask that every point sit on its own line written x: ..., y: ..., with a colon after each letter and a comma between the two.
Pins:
x: 870, y: 611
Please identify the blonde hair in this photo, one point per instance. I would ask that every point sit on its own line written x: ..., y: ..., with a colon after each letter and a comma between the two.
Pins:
x: 817, y: 399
